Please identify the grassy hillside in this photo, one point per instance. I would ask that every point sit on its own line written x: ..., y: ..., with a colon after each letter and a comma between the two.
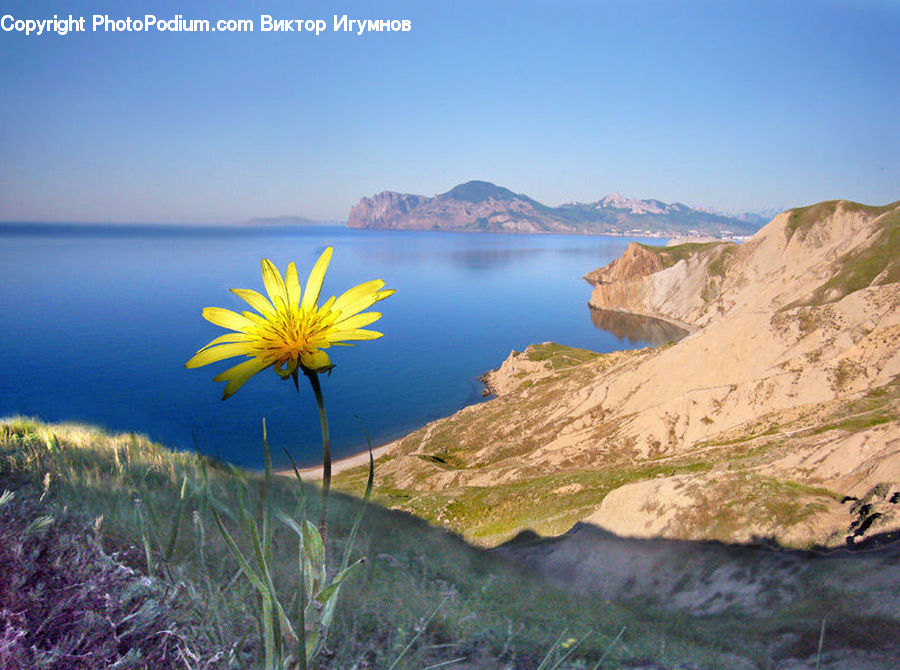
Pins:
x: 471, y: 472
x: 878, y: 263
x: 76, y: 487
x: 801, y: 220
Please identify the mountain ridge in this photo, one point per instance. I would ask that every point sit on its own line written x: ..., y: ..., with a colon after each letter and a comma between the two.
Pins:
x: 481, y: 206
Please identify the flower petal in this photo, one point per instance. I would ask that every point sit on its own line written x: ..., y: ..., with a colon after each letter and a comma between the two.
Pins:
x: 254, y: 317
x: 316, y: 277
x: 328, y: 305
x: 357, y: 320
x: 214, y: 354
x: 365, y: 302
x: 356, y: 294
x: 317, y: 360
x: 226, y: 318
x: 255, y: 299
x: 273, y: 281
x: 280, y: 305
x: 226, y: 339
x: 292, y: 284
x: 334, y: 336
x: 239, y: 374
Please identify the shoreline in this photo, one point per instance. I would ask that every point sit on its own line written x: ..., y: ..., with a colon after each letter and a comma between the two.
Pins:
x: 314, y: 473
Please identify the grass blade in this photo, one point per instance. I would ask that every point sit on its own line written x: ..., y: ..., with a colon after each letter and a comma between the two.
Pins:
x: 419, y: 632
x: 570, y: 651
x: 365, y: 501
x: 6, y: 497
x: 609, y: 648
x: 443, y: 664
x: 821, y: 644
x: 173, y: 535
x: 232, y: 545
x: 299, y: 479
x: 301, y: 615
x: 551, y: 651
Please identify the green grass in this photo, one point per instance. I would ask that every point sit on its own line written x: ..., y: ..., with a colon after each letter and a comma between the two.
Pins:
x: 806, y: 489
x: 130, y: 488
x: 558, y: 356
x: 875, y: 408
x: 549, y: 505
x: 718, y: 265
x: 672, y: 255
x: 739, y: 497
x: 803, y: 219
x: 858, y: 270
x: 880, y: 259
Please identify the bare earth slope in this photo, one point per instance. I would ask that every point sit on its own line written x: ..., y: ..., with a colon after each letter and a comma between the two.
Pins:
x: 777, y: 418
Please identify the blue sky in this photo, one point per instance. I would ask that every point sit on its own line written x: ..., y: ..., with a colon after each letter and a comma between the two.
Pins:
x: 736, y: 105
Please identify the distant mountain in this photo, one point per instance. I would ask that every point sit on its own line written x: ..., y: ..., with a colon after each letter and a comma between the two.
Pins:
x: 486, y: 207
x: 291, y: 221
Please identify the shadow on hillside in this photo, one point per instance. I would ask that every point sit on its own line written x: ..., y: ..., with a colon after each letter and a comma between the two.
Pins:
x: 708, y: 578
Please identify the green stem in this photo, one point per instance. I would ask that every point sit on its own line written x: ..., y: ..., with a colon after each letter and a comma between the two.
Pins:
x: 313, y: 377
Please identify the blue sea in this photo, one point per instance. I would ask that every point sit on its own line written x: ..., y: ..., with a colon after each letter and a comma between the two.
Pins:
x: 98, y: 321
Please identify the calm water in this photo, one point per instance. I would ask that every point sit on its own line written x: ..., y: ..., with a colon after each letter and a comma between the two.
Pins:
x: 98, y: 322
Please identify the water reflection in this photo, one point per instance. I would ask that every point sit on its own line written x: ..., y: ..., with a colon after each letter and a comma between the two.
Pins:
x: 636, y: 327
x: 468, y: 259
x: 481, y: 252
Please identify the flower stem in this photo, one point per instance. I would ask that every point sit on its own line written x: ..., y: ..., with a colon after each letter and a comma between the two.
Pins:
x: 326, y: 450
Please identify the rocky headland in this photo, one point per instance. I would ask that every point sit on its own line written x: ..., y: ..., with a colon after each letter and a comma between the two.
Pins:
x: 777, y: 419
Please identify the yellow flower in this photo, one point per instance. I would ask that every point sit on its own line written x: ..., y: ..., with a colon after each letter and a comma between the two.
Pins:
x: 287, y: 332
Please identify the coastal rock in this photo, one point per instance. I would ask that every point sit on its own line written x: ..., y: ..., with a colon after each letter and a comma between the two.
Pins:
x: 637, y: 262
x: 383, y: 210
x: 674, y: 283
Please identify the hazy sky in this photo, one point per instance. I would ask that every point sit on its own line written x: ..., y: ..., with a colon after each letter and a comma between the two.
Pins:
x: 737, y: 105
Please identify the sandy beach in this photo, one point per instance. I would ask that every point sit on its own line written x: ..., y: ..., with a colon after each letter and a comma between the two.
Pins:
x: 347, y: 463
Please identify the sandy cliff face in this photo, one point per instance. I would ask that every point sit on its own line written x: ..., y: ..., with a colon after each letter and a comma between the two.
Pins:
x: 676, y: 283
x: 636, y: 263
x: 777, y: 418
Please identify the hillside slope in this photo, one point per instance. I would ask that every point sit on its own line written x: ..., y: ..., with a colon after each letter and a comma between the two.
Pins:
x: 110, y: 557
x: 777, y: 418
